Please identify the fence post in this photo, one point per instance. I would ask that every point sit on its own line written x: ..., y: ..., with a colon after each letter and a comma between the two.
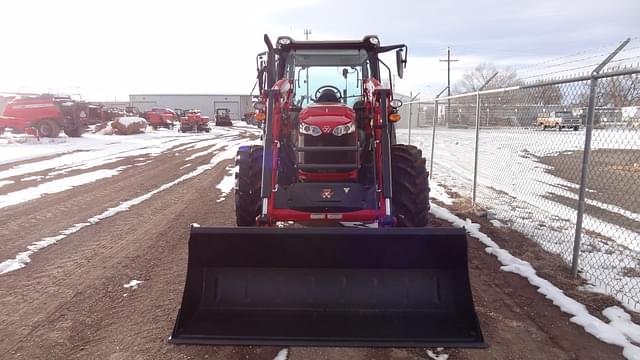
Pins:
x: 433, y: 134
x: 410, y: 107
x: 586, y: 156
x: 475, y: 156
x: 409, y: 138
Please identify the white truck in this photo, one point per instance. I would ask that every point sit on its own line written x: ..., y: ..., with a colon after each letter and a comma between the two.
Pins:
x: 558, y: 120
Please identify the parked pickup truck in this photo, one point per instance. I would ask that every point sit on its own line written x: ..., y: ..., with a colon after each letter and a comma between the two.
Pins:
x: 558, y: 120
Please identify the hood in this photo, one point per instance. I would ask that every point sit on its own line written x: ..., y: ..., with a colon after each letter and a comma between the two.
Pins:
x: 327, y: 114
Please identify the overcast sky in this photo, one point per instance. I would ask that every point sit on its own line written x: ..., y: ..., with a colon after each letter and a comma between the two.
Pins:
x: 107, y: 50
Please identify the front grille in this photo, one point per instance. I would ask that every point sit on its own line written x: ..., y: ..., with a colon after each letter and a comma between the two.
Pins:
x: 317, y: 150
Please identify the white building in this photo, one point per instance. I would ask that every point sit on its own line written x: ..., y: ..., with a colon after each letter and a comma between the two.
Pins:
x: 206, y: 103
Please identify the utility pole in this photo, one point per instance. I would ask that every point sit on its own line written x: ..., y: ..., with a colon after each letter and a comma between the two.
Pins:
x: 448, y: 61
x: 307, y: 32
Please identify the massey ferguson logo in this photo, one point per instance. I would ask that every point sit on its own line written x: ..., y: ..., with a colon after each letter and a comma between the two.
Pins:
x: 326, y: 129
x: 326, y: 193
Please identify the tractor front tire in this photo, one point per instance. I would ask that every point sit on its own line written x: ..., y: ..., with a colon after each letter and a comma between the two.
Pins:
x: 410, y: 184
x: 48, y: 128
x: 248, y: 185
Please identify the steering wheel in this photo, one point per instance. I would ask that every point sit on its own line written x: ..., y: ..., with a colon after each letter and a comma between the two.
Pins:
x: 331, y: 87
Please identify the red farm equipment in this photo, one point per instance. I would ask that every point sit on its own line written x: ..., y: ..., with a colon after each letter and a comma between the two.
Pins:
x: 328, y: 158
x: 160, y: 118
x: 222, y: 117
x: 193, y: 121
x: 48, y: 114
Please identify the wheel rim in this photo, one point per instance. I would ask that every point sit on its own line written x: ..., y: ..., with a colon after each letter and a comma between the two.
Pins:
x: 45, y: 129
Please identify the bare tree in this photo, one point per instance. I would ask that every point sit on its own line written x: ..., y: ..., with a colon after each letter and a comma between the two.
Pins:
x: 473, y: 80
x: 619, y: 91
x: 544, y: 95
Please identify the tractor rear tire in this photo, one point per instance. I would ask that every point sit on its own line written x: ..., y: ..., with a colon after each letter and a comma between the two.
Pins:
x: 248, y: 185
x: 410, y: 184
x: 48, y: 128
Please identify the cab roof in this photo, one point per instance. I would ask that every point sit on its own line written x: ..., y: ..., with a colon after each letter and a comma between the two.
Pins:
x: 369, y: 42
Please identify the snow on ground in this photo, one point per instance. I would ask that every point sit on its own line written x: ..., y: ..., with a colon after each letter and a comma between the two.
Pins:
x: 620, y: 331
x: 57, y: 186
x: 17, y: 147
x: 227, y: 183
x: 92, y: 151
x: 133, y: 284
x: 6, y: 182
x: 622, y: 321
x: 282, y: 355
x: 435, y: 356
x: 23, y: 258
x: 101, y: 149
x: 517, y: 189
x: 212, y: 148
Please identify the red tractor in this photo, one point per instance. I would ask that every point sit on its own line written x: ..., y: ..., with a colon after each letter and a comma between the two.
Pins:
x: 192, y: 120
x: 160, y: 118
x: 48, y: 114
x: 329, y: 158
x: 223, y: 118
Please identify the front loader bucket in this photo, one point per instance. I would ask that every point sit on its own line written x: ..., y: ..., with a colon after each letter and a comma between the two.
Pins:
x: 328, y: 286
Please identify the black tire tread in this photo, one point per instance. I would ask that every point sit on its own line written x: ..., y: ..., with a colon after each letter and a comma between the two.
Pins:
x: 410, y: 183
x: 248, y: 185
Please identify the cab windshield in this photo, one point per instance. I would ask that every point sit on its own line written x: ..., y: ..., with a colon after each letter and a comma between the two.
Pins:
x: 341, y: 71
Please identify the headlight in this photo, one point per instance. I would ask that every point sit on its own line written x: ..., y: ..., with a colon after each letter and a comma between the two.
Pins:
x: 309, y: 129
x: 396, y: 103
x: 284, y: 40
x: 343, y: 129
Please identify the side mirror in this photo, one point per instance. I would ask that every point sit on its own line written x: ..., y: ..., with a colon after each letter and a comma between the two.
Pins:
x: 401, y: 63
x: 345, y: 72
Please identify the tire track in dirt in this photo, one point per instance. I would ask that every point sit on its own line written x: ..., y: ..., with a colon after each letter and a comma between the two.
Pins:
x: 33, y: 220
x: 92, y: 266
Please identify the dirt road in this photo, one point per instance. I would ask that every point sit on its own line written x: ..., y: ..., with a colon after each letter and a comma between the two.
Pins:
x: 69, y: 302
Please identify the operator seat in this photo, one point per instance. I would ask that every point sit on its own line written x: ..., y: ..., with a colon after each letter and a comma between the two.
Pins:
x: 327, y: 95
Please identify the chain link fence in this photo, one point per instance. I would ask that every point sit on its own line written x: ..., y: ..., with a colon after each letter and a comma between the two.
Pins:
x: 558, y: 161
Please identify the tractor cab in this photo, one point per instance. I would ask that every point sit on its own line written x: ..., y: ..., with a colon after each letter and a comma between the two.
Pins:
x: 329, y: 141
x: 222, y: 117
